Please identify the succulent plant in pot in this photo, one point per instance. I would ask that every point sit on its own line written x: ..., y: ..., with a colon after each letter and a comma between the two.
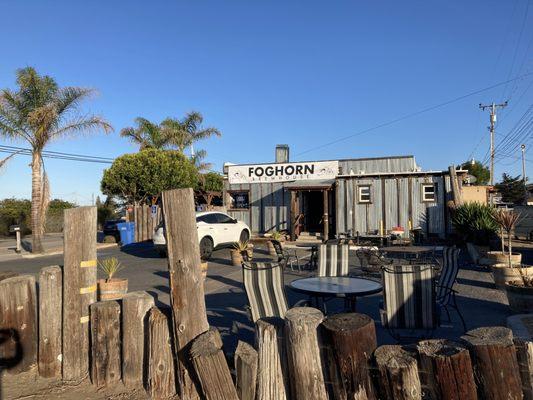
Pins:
x: 520, y: 292
x: 111, y: 288
x: 238, y: 249
x: 506, y: 221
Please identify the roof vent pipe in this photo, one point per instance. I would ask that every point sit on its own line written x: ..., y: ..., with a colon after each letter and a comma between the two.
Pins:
x: 282, y: 153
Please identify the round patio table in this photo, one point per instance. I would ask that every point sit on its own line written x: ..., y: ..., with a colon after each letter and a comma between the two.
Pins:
x: 336, y: 286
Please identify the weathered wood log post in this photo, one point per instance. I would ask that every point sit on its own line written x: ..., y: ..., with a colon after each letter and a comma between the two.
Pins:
x: 79, y: 289
x: 105, y: 343
x: 211, y: 367
x: 246, y: 371
x: 135, y: 307
x: 494, y: 359
x: 161, y: 378
x: 524, y: 354
x: 303, y: 353
x: 272, y: 381
x: 397, y: 377
x: 50, y: 312
x: 350, y: 340
x: 18, y: 321
x: 187, y: 297
x: 446, y: 370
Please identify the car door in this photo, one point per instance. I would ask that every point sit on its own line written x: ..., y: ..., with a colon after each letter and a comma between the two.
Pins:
x: 208, y: 226
x: 228, y: 228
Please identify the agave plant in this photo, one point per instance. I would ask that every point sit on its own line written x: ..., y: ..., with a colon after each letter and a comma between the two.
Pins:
x: 507, y: 221
x: 474, y: 222
x: 276, y: 235
x: 242, y: 246
x: 110, y: 266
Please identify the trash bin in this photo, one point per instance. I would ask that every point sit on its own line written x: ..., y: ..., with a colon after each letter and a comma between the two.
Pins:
x: 127, y: 232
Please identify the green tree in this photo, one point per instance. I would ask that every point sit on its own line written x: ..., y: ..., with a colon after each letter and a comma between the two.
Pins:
x: 512, y: 189
x: 211, y: 182
x: 136, y: 178
x: 105, y: 209
x: 187, y: 131
x: 39, y: 111
x: 146, y: 134
x: 478, y: 170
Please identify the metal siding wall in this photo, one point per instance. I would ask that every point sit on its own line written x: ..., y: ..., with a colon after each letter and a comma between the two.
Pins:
x: 419, y: 208
x: 391, y: 203
x: 406, y: 164
x: 404, y: 203
x: 341, y: 206
x: 255, y: 201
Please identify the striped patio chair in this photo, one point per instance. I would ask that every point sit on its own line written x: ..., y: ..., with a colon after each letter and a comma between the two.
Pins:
x: 409, y: 298
x: 264, y: 287
x: 333, y: 260
x: 448, y: 276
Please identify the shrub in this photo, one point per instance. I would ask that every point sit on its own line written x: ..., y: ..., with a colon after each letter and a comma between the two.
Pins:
x: 474, y: 222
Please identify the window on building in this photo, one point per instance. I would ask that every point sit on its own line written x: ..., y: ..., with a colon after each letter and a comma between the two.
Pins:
x: 429, y: 192
x: 364, y: 194
x: 239, y: 200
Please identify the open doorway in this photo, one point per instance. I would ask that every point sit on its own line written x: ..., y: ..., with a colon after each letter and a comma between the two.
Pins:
x: 313, y: 210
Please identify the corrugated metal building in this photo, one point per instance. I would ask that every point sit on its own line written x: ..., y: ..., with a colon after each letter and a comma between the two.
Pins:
x: 332, y: 197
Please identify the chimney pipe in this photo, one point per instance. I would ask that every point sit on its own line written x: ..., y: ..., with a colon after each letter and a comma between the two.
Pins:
x: 282, y: 153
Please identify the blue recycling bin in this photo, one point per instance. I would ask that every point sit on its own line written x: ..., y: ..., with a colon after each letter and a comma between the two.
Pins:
x: 127, y: 232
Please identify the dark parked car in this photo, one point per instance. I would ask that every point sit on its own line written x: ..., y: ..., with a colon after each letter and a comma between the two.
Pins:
x: 524, y: 228
x: 111, y: 229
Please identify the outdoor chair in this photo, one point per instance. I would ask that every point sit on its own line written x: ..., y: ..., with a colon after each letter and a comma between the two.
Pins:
x: 371, y: 260
x: 286, y: 257
x: 409, y: 306
x: 264, y: 286
x: 448, y: 276
x: 333, y: 260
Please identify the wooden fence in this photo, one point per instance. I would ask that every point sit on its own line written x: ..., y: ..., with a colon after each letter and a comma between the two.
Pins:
x: 145, y: 222
x: 173, y: 351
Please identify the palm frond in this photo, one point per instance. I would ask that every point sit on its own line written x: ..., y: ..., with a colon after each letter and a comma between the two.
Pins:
x: 82, y: 125
x: 69, y: 98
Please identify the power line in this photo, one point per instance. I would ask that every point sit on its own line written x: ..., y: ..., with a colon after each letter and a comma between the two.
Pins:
x: 413, y: 114
x: 60, y: 153
x: 27, y: 152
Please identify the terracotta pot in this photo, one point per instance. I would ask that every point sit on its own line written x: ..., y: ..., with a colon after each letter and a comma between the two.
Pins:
x: 236, y: 258
x: 497, y: 257
x: 519, y: 296
x: 114, y: 289
x: 203, y: 268
x: 502, y: 274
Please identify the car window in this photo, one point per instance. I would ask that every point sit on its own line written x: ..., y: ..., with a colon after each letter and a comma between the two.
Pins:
x: 208, y: 218
x: 224, y: 219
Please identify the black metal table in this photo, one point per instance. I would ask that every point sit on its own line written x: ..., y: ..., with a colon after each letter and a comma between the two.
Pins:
x: 345, y: 287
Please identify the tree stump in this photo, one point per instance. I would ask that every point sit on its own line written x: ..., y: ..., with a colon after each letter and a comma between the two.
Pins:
x: 397, y: 377
x: 161, y: 379
x: 446, y: 370
x: 303, y: 353
x: 79, y: 289
x: 18, y: 323
x: 494, y: 359
x: 50, y: 319
x: 135, y: 308
x: 246, y: 371
x: 524, y: 354
x: 105, y: 343
x: 211, y: 367
x: 272, y: 382
x: 350, y: 340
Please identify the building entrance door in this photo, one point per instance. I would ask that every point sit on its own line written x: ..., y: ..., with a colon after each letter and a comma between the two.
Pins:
x: 313, y: 211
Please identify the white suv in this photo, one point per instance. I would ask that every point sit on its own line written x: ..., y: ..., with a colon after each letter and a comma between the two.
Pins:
x: 215, y: 229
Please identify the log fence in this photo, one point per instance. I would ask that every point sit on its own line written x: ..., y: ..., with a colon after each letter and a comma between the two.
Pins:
x: 172, y: 352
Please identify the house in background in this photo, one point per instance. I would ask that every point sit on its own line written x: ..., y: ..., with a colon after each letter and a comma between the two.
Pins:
x: 326, y: 198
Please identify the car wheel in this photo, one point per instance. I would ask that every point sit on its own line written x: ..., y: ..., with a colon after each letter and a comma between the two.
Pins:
x: 162, y: 253
x: 244, y: 236
x: 206, y: 248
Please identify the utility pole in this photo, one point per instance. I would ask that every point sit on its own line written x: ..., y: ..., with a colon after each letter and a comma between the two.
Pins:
x: 524, y: 177
x: 492, y: 107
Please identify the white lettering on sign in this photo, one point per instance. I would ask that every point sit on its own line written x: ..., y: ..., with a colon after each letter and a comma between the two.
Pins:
x: 282, y: 172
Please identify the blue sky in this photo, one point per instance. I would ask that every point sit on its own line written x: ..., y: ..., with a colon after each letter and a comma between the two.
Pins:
x: 298, y: 72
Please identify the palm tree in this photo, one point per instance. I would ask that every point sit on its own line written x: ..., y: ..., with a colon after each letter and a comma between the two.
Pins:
x: 198, y: 160
x: 38, y: 112
x: 184, y: 133
x: 147, y: 135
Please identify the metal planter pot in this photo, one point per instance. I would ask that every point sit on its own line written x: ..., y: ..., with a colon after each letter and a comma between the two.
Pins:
x: 502, y: 274
x: 520, y: 297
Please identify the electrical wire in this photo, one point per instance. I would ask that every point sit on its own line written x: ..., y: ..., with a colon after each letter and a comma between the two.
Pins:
x: 28, y: 152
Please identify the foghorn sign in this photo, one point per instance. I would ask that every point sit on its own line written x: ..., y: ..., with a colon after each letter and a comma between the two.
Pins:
x: 282, y: 172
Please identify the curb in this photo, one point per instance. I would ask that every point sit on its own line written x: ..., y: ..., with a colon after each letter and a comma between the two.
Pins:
x: 60, y: 251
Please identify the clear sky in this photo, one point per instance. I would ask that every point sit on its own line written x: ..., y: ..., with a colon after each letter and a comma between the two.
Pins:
x: 303, y: 73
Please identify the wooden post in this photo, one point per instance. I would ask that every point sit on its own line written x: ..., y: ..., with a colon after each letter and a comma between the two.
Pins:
x: 303, y: 353
x: 105, y: 343
x: 350, y: 341
x: 211, y: 367
x: 162, y: 383
x: 246, y: 371
x: 18, y: 321
x: 272, y: 381
x: 494, y: 358
x: 524, y: 354
x: 446, y: 370
x: 325, y: 218
x: 135, y: 307
x: 397, y: 377
x: 293, y: 214
x: 186, y: 284
x: 50, y: 312
x: 79, y: 289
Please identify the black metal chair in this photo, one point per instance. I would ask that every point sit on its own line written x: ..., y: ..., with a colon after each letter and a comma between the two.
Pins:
x: 371, y: 260
x: 285, y: 257
x: 448, y: 276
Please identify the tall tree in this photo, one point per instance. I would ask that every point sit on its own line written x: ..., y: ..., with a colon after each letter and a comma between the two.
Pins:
x: 512, y: 189
x: 146, y: 134
x: 187, y: 131
x: 478, y: 170
x: 39, y: 111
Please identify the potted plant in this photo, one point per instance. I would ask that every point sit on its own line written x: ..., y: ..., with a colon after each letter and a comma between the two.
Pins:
x: 275, y: 235
x: 504, y: 272
x: 520, y: 292
x: 501, y: 257
x: 238, y: 248
x: 111, y: 288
